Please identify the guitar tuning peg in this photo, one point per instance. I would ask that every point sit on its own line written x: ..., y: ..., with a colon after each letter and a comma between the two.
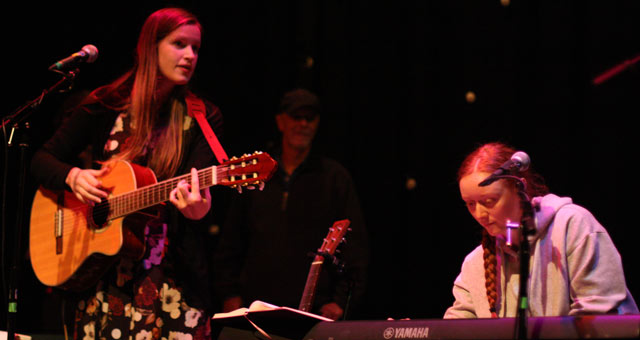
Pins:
x: 257, y: 152
x: 239, y: 187
x: 344, y: 240
x: 261, y: 187
x: 233, y: 158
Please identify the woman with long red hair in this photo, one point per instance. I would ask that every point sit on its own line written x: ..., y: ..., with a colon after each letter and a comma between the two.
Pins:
x: 142, y: 118
x: 574, y: 266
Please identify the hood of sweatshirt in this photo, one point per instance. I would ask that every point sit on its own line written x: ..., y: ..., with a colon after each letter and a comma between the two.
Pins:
x: 545, y: 209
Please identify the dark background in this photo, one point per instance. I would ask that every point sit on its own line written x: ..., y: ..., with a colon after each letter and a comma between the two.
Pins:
x: 393, y: 78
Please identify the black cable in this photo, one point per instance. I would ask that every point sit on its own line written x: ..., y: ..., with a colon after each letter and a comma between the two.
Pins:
x: 3, y: 221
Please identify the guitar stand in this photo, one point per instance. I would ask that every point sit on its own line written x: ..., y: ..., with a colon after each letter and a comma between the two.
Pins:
x: 20, y: 134
x: 340, y: 269
x: 340, y: 265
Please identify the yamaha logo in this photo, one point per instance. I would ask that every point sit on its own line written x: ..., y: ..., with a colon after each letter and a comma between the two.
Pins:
x: 406, y: 333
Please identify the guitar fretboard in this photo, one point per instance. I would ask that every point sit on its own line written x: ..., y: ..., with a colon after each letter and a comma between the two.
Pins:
x: 151, y: 195
x: 310, y: 287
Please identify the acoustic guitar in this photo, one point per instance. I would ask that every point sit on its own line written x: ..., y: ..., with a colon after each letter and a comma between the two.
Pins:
x: 72, y: 244
x: 328, y: 248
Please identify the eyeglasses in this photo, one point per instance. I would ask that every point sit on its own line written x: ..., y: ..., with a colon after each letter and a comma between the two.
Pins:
x: 308, y: 117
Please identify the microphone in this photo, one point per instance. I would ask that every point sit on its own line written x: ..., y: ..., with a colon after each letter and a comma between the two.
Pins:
x: 87, y: 54
x: 519, y: 162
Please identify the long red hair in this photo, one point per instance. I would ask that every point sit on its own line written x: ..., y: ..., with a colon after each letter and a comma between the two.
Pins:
x: 135, y: 92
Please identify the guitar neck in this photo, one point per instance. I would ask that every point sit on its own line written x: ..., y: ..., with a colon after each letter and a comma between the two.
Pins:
x: 310, y: 287
x: 329, y: 245
x: 151, y: 195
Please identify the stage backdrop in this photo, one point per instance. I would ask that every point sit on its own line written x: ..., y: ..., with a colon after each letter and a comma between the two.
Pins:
x: 407, y: 87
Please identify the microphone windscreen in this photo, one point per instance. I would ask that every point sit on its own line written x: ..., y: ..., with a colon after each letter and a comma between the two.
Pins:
x: 91, y: 51
x: 521, y: 158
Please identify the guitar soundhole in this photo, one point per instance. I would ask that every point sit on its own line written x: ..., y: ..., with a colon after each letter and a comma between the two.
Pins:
x: 100, y: 214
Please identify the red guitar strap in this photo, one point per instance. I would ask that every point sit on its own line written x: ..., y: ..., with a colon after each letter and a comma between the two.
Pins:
x: 196, y: 109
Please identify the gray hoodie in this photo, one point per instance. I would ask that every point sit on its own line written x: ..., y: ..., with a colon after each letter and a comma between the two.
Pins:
x: 575, y: 269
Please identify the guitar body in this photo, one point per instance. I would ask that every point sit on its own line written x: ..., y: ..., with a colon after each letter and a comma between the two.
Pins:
x: 71, y: 244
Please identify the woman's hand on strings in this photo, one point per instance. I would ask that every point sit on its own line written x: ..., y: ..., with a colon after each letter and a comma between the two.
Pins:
x: 86, y: 184
x: 192, y: 202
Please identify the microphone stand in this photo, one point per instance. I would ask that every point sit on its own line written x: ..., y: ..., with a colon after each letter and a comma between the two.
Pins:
x: 527, y: 228
x: 19, y: 130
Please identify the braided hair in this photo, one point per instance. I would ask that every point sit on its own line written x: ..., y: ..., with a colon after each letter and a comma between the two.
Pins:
x: 490, y: 270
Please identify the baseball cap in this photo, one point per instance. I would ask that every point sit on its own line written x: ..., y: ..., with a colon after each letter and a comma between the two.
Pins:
x: 297, y: 99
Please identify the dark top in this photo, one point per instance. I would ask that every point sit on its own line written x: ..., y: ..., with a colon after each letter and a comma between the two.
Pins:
x: 263, y: 252
x: 89, y: 126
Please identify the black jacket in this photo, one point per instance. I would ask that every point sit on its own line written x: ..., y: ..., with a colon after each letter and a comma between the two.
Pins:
x: 266, y: 241
x: 88, y: 128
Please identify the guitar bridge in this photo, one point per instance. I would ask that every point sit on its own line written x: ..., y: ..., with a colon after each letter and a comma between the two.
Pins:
x: 59, y: 218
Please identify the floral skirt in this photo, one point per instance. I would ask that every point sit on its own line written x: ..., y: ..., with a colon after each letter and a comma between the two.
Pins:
x: 147, y: 305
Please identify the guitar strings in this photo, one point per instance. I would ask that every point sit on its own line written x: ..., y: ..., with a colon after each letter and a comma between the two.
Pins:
x: 129, y: 202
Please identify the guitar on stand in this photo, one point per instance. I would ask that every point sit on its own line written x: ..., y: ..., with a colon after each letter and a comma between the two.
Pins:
x: 328, y: 248
x: 72, y: 244
x: 281, y: 323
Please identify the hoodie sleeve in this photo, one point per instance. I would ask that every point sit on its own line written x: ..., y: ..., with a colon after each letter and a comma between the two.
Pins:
x: 463, y: 305
x: 596, y: 277
x: 469, y: 289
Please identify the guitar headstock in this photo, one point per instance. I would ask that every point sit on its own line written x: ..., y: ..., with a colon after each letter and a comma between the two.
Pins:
x: 335, y: 237
x: 247, y: 171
